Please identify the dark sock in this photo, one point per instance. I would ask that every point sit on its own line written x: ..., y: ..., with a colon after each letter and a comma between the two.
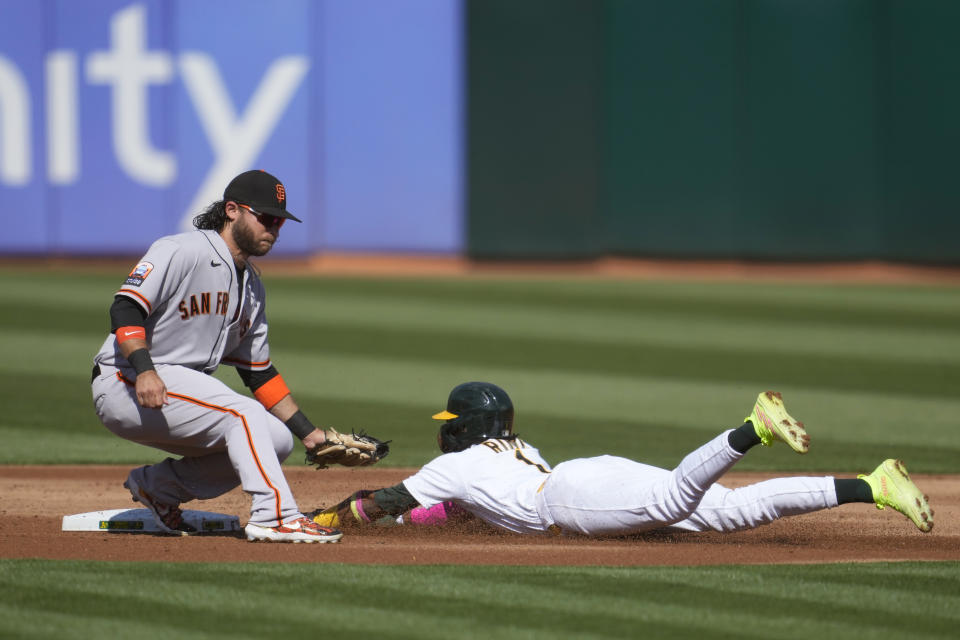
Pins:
x: 853, y: 490
x: 743, y: 437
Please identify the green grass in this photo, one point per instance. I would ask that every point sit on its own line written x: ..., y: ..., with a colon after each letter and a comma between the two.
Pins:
x: 643, y: 369
x: 42, y: 599
x: 647, y: 370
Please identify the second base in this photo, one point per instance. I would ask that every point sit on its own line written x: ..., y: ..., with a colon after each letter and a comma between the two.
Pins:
x: 141, y: 521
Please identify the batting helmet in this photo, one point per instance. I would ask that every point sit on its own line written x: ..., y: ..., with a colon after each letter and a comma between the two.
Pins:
x: 476, y: 411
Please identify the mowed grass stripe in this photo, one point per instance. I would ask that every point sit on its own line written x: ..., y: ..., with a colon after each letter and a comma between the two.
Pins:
x: 694, y: 399
x: 649, y: 419
x: 646, y: 327
x: 49, y: 418
x: 69, y: 287
x: 585, y: 396
x: 911, y: 308
x: 849, y: 416
x: 626, y: 312
x: 856, y: 428
x: 35, y: 437
x: 610, y: 331
x: 749, y: 363
x: 754, y: 365
x: 43, y: 598
x: 927, y: 307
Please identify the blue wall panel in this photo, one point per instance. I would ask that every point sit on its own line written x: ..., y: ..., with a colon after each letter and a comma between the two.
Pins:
x: 21, y: 143
x: 152, y: 106
x: 392, y: 154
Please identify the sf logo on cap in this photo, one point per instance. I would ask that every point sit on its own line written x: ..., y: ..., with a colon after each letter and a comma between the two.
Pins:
x: 281, y: 193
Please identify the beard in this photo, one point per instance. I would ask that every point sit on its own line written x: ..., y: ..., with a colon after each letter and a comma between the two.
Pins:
x: 246, y: 242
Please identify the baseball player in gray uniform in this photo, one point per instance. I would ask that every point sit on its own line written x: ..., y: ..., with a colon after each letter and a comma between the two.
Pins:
x: 195, y: 301
x: 488, y: 472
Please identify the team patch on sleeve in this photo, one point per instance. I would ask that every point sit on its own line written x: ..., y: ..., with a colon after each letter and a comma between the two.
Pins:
x: 139, y: 274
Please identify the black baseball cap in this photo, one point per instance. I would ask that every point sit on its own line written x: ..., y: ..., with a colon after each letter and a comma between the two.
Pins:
x: 260, y: 191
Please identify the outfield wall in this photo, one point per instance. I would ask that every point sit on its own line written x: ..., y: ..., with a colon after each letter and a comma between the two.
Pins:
x: 821, y: 129
x: 120, y: 119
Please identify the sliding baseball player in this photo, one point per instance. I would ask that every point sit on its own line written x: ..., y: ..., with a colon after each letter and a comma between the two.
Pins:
x: 489, y: 473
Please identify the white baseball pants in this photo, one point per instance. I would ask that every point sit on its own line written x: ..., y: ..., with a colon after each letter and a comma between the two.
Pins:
x: 608, y: 495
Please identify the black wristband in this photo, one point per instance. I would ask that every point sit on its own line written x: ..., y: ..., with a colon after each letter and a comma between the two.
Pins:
x: 299, y: 425
x: 141, y: 361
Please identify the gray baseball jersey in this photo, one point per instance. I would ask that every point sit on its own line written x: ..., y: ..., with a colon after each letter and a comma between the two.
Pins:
x: 198, y: 316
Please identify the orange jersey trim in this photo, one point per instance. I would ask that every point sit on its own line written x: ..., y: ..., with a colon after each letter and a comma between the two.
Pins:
x: 138, y: 296
x: 129, y: 333
x: 246, y: 429
x: 272, y: 392
x: 265, y: 363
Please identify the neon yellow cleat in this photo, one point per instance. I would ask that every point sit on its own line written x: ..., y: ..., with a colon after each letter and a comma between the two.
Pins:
x: 892, y: 487
x: 772, y: 422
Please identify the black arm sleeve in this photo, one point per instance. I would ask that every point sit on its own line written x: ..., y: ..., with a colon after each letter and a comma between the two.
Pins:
x: 256, y: 379
x: 394, y: 500
x: 124, y: 312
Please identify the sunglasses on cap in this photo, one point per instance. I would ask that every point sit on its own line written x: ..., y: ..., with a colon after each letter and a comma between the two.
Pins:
x: 268, y: 221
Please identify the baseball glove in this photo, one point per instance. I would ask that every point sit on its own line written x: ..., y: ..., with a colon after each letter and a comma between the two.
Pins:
x: 348, y: 450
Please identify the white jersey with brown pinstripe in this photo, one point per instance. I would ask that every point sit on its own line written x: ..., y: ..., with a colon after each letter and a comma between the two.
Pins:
x: 496, y: 480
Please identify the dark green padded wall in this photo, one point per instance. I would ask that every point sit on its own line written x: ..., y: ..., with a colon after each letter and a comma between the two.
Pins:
x: 672, y: 125
x: 785, y: 129
x: 921, y: 96
x: 534, y: 70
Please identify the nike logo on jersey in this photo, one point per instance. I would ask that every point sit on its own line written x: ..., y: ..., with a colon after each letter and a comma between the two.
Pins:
x: 214, y: 263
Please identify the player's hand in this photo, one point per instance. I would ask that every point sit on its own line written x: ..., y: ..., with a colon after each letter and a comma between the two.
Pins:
x: 314, y: 439
x: 151, y: 392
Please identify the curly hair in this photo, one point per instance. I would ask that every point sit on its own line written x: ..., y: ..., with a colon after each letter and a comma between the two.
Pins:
x: 213, y: 217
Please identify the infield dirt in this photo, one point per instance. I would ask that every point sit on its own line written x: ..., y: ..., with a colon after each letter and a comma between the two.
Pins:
x: 34, y: 499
